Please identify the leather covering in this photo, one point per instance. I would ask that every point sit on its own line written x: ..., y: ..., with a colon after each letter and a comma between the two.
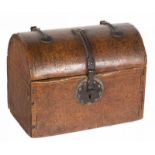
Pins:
x: 65, y: 55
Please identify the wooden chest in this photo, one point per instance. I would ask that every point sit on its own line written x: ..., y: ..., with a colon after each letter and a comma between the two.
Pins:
x: 68, y: 80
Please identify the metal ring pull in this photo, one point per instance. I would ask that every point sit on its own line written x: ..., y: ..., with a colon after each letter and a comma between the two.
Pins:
x: 89, y: 90
x: 114, y: 31
x: 44, y: 37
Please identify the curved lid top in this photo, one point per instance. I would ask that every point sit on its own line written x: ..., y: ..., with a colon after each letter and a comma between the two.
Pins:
x: 65, y: 55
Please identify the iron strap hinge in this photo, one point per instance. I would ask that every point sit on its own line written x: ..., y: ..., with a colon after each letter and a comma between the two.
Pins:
x: 89, y: 90
x: 90, y: 61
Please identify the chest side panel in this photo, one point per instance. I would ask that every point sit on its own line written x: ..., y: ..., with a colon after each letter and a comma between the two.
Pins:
x: 19, y: 84
x: 56, y: 110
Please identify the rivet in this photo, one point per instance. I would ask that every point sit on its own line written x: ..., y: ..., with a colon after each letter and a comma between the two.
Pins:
x: 80, y: 89
x: 82, y: 101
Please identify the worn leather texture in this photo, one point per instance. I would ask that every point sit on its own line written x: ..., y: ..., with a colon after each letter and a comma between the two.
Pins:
x: 43, y: 78
x: 65, y: 56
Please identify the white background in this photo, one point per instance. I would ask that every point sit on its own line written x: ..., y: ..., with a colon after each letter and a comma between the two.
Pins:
x: 130, y: 138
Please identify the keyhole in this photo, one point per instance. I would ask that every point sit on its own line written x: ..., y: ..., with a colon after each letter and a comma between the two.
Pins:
x: 89, y: 96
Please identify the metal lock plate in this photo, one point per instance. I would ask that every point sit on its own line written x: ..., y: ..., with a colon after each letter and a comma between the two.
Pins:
x: 86, y: 95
